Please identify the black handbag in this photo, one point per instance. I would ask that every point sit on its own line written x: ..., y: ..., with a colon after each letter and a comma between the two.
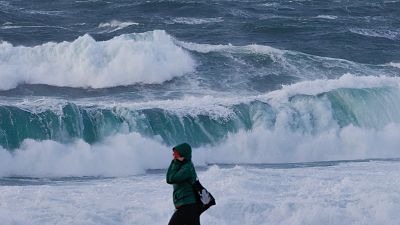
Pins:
x: 204, y: 198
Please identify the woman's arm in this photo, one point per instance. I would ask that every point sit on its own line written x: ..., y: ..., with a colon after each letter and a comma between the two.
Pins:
x: 179, y: 172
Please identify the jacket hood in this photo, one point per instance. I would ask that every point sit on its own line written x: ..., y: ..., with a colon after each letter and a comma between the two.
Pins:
x: 184, y: 150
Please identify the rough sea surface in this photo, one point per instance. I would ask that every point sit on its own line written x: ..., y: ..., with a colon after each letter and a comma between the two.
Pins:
x: 292, y: 109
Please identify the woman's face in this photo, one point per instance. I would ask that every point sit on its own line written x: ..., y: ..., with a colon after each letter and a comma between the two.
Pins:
x: 176, y: 154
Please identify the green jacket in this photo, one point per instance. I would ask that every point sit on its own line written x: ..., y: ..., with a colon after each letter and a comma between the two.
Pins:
x: 182, y: 175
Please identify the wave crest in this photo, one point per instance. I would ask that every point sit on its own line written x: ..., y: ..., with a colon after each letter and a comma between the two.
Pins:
x: 115, y: 25
x: 149, y: 57
x: 380, y: 33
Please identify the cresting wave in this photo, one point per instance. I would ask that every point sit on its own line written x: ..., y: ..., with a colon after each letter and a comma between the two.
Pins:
x: 307, y: 107
x: 148, y: 57
x: 347, y: 118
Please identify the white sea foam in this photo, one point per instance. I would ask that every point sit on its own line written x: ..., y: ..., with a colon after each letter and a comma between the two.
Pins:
x: 196, y: 21
x: 261, y: 145
x: 345, y: 193
x: 382, y: 33
x: 115, y: 25
x: 150, y: 57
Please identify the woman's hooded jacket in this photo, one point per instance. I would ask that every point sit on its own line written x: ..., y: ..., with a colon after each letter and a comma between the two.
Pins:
x: 182, y: 175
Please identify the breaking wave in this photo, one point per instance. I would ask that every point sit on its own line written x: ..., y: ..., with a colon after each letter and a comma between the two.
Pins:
x: 307, y: 107
x: 148, y: 57
x: 347, y: 118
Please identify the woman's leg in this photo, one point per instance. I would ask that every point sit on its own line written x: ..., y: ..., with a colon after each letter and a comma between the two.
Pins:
x: 186, y: 215
x: 177, y: 218
x: 193, y: 215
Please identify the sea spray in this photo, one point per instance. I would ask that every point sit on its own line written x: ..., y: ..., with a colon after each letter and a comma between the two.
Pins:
x: 119, y: 155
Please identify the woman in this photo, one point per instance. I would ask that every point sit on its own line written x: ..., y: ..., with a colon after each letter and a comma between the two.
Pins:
x: 181, y: 174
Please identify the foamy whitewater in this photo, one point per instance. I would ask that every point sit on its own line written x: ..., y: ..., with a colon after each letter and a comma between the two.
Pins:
x: 292, y: 110
x: 330, y: 193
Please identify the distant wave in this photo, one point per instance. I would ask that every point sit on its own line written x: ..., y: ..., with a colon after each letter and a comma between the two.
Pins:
x: 115, y: 25
x: 127, y: 59
x: 297, y: 64
x: 270, y: 4
x: 195, y: 21
x: 50, y: 13
x: 7, y: 7
x: 328, y: 17
x: 389, y: 34
x: 9, y: 25
x: 394, y: 64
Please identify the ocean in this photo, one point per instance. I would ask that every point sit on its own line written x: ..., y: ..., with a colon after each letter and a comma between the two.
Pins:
x: 292, y: 109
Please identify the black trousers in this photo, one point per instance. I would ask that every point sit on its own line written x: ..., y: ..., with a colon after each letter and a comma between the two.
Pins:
x: 186, y: 215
